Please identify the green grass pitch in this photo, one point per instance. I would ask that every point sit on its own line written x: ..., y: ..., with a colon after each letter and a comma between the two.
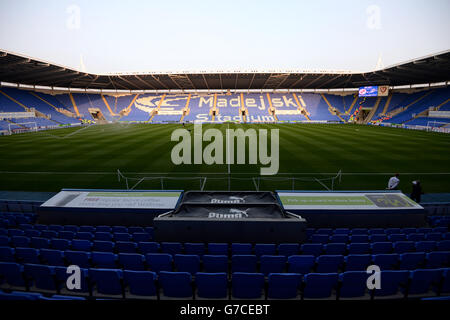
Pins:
x: 90, y: 157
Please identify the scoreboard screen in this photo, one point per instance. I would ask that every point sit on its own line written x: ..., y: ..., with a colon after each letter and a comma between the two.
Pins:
x: 373, y: 91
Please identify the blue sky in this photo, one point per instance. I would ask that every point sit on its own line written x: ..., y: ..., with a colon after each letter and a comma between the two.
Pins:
x: 136, y: 36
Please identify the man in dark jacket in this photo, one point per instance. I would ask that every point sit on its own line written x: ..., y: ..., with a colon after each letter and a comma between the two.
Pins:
x: 416, y: 191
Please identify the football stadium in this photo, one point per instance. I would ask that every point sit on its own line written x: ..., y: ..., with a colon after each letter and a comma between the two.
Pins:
x: 224, y: 185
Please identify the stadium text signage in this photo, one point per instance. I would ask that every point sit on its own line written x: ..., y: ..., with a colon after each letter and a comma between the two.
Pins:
x: 213, y: 153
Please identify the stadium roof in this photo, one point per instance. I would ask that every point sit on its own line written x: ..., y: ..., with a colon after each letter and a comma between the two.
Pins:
x: 20, y: 69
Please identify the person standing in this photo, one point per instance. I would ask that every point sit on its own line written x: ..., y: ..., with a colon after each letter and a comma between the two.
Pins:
x: 416, y: 191
x: 393, y: 182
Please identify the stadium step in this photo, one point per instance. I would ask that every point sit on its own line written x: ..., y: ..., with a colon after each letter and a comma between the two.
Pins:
x: 158, y: 107
x: 74, y: 104
x: 352, y: 105
x: 373, y: 111
x: 386, y: 105
x: 330, y: 107
x: 186, y: 107
x: 301, y: 106
x: 107, y: 106
x: 442, y: 104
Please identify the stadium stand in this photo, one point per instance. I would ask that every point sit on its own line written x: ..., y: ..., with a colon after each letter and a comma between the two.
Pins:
x: 331, y: 264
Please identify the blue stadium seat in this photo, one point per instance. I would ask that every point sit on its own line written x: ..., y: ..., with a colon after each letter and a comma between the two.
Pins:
x: 386, y: 261
x: 411, y: 260
x: 41, y: 278
x: 327, y: 231
x: 20, y: 241
x: 335, y: 248
x: 329, y: 263
x: 269, y: 249
x: 140, y: 284
x: 126, y: 247
x: 81, y: 245
x: 425, y: 230
x: 319, y: 238
x: 119, y: 229
x: 403, y: 246
x: 32, y: 233
x: 408, y: 230
x: 79, y: 258
x: 397, y: 237
x: 425, y: 246
x: 359, y: 231
x: 4, y: 241
x: 104, y: 260
x: 7, y: 254
x: 243, y: 263
x: 171, y: 247
x: 215, y: 263
x: 55, y: 227
x: 424, y: 283
x: 247, y: 285
x: 389, y: 231
x: 176, y: 285
x: 443, y: 245
x: 320, y: 286
x: 148, y: 247
x: 49, y: 234
x: 288, y: 249
x: 159, y: 262
x: 132, y: 261
x: 416, y: 237
x: 68, y: 235
x: 84, y: 236
x: 16, y: 295
x: 71, y: 228
x: 241, y: 249
x: 391, y: 282
x: 27, y: 255
x: 359, y: 238
x: 135, y: 229
x: 358, y: 248
x: 103, y: 246
x: 314, y: 249
x: 272, y: 264
x: 433, y: 236
x: 52, y: 257
x: 103, y: 229
x: 187, y: 263
x: 339, y: 238
x: 62, y: 277
x: 118, y: 236
x: 194, y: 248
x: 354, y: 285
x: 345, y: 231
x: 381, y: 247
x: 150, y: 231
x: 438, y: 259
x: 301, y: 264
x: 141, y: 237
x: 357, y: 262
x: 60, y: 244
x: 103, y: 236
x: 16, y: 232
x: 11, y: 276
x: 106, y: 282
x: 284, y: 286
x: 40, y: 243
x: 61, y: 297
x: 89, y: 229
x: 378, y: 238
x: 211, y: 285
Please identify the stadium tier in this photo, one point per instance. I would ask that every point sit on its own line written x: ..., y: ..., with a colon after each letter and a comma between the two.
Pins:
x: 399, y: 107
x: 127, y: 262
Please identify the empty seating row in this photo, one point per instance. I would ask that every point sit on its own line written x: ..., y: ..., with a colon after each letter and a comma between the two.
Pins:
x: 146, y: 284
x: 90, y: 229
x: 372, y: 231
x: 220, y: 263
x: 341, y: 238
x: 143, y: 245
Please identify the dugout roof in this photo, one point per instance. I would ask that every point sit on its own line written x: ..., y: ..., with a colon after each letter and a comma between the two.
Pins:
x: 19, y: 69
